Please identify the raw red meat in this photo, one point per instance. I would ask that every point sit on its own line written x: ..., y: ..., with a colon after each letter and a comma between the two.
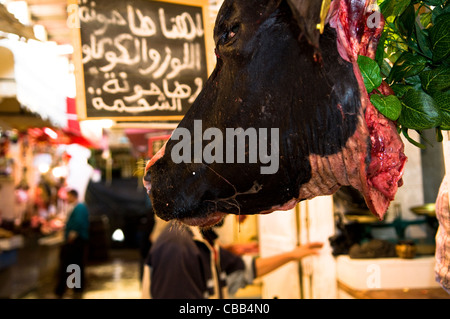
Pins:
x: 383, y: 163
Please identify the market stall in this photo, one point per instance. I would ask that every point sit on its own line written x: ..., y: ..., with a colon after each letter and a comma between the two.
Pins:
x: 370, y: 250
x: 34, y: 162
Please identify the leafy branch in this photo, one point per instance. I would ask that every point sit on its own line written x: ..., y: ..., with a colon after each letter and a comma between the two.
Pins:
x: 413, y: 58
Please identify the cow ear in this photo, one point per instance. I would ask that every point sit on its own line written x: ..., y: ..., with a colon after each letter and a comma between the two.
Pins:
x: 273, y: 4
x: 307, y: 15
x: 276, y: 3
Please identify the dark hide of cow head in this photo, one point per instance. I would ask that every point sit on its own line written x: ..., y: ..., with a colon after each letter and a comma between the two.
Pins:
x: 267, y: 76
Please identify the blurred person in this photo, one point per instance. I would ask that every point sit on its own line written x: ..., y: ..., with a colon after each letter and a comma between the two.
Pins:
x: 187, y: 262
x: 42, y: 197
x: 73, y: 250
x: 147, y: 224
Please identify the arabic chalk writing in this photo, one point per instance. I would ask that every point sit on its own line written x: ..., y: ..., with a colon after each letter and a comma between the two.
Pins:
x: 141, y: 57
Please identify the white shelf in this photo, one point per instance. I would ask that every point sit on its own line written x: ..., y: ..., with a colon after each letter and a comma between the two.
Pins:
x: 386, y: 273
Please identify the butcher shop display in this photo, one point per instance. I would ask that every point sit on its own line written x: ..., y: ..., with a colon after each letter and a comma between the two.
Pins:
x: 306, y: 97
x: 276, y: 72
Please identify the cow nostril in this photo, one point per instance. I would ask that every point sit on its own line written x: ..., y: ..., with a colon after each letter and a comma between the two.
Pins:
x: 207, y: 196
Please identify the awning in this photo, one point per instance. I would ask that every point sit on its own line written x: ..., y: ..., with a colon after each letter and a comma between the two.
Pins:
x: 58, y: 137
x: 13, y: 116
x: 9, y: 24
x: 37, y: 76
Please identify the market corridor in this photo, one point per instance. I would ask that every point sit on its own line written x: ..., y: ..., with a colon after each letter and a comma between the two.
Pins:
x: 117, y: 278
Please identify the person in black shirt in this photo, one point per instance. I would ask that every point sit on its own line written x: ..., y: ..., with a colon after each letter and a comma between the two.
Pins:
x: 186, y: 262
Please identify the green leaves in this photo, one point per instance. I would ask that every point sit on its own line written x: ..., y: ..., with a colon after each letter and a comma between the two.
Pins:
x: 440, y: 37
x: 443, y: 102
x: 416, y: 109
x: 437, y: 83
x: 390, y: 106
x: 370, y: 72
x: 394, y: 8
x: 433, y: 2
x: 437, y: 80
x: 420, y: 111
x: 414, y: 56
x: 440, y: 10
x: 423, y: 40
x: 407, y: 65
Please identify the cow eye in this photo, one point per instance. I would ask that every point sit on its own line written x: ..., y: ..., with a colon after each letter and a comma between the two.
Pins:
x: 230, y: 34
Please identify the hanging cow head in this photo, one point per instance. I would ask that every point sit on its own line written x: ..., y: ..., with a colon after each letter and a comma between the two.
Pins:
x: 273, y: 125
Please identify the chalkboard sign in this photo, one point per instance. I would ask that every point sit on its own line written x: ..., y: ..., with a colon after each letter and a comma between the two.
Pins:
x: 140, y: 60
